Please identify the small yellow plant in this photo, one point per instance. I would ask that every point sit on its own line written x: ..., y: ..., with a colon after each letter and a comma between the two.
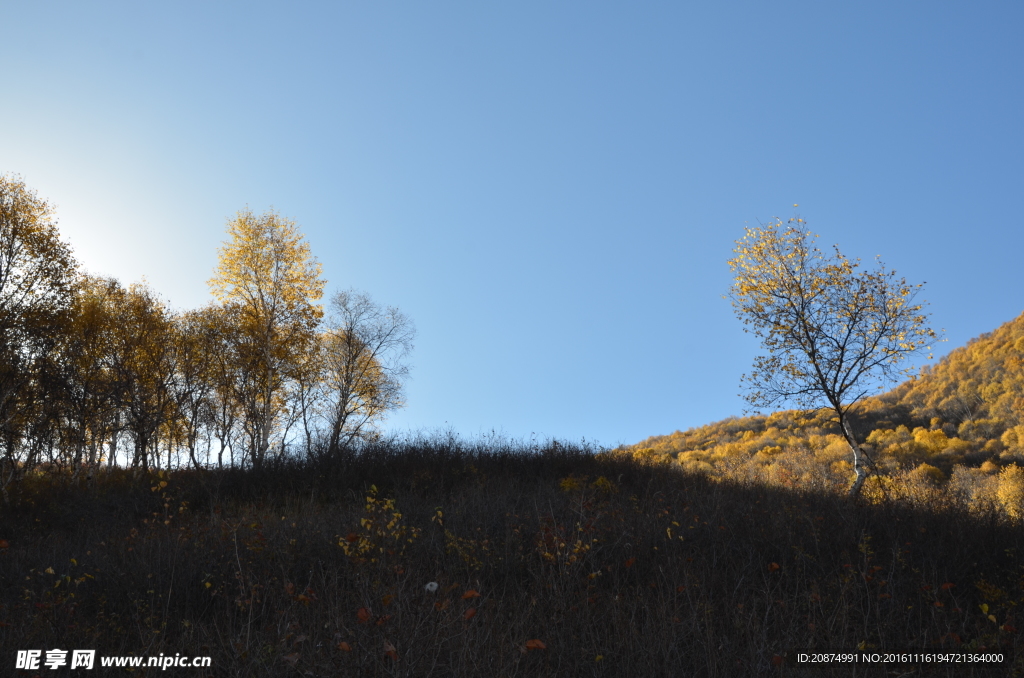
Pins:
x: 469, y: 551
x: 604, y: 486
x: 556, y: 547
x: 384, y: 530
x: 570, y: 484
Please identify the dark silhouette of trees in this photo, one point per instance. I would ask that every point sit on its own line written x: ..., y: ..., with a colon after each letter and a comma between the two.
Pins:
x: 37, y: 280
x: 93, y: 373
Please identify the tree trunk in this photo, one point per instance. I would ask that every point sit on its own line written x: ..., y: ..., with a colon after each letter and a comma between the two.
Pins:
x: 193, y: 442
x: 858, y: 457
x: 112, y: 454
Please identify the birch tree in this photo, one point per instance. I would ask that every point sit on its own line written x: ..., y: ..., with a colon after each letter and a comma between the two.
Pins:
x: 270, y: 283
x: 833, y: 333
x: 363, y: 351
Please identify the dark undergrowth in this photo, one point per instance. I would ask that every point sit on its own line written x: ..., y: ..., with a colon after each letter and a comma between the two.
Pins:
x: 547, y: 562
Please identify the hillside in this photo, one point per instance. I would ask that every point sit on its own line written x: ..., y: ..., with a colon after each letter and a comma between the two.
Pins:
x: 961, y: 420
x: 435, y: 557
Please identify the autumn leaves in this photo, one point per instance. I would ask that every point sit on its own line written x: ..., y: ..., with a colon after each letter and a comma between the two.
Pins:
x: 94, y: 373
x: 832, y: 334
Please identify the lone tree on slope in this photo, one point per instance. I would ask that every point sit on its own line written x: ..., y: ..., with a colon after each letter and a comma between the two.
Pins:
x: 832, y: 333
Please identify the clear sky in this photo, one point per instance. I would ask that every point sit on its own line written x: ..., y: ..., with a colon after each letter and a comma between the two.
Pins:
x: 549, y: 189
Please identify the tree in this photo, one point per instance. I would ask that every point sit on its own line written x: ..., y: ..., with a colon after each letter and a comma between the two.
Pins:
x: 87, y: 385
x: 269, y: 283
x: 308, y: 395
x: 143, y: 364
x: 196, y: 347
x: 363, y: 351
x: 37, y: 279
x: 220, y: 372
x: 833, y: 333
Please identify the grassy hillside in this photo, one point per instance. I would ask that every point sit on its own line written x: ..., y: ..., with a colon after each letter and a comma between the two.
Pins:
x: 957, y: 428
x: 547, y: 562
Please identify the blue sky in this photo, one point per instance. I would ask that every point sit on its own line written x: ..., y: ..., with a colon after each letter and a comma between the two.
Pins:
x: 549, y: 189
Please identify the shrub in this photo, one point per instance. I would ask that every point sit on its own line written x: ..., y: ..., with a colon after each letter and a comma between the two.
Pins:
x: 1011, y: 491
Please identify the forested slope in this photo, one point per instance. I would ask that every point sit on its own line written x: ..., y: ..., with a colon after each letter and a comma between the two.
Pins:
x: 957, y: 426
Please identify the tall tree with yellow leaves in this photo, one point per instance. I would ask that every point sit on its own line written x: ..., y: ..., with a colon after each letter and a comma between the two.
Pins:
x: 833, y: 333
x: 269, y: 283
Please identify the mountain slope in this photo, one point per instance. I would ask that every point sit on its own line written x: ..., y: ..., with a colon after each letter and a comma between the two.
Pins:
x: 979, y: 388
x: 966, y: 412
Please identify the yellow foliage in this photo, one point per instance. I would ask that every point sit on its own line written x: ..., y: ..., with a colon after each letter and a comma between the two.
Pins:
x: 471, y: 552
x: 842, y: 468
x: 570, y: 484
x: 973, y: 488
x: 269, y: 282
x: 1013, y: 438
x: 836, y: 448
x: 604, y: 486
x: 651, y: 456
x: 1011, y: 491
x: 944, y: 422
x: 825, y: 325
x: 879, y: 488
x: 769, y: 452
x: 932, y: 442
x: 268, y: 269
x: 701, y: 467
x: 978, y: 389
x: 384, y: 531
x: 926, y: 473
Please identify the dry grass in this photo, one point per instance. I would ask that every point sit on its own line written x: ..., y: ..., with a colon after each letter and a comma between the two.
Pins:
x: 549, y: 562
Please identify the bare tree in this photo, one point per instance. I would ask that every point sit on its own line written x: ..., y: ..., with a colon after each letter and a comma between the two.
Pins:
x: 364, y: 349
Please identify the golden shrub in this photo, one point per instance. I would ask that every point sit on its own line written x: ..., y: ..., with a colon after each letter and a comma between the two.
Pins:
x: 769, y: 452
x: 989, y: 467
x: 973, y: 488
x: 926, y: 473
x: 605, y: 486
x: 877, y: 489
x: 836, y: 449
x: 570, y: 484
x: 1013, y: 438
x: 1011, y: 491
x: 931, y: 442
